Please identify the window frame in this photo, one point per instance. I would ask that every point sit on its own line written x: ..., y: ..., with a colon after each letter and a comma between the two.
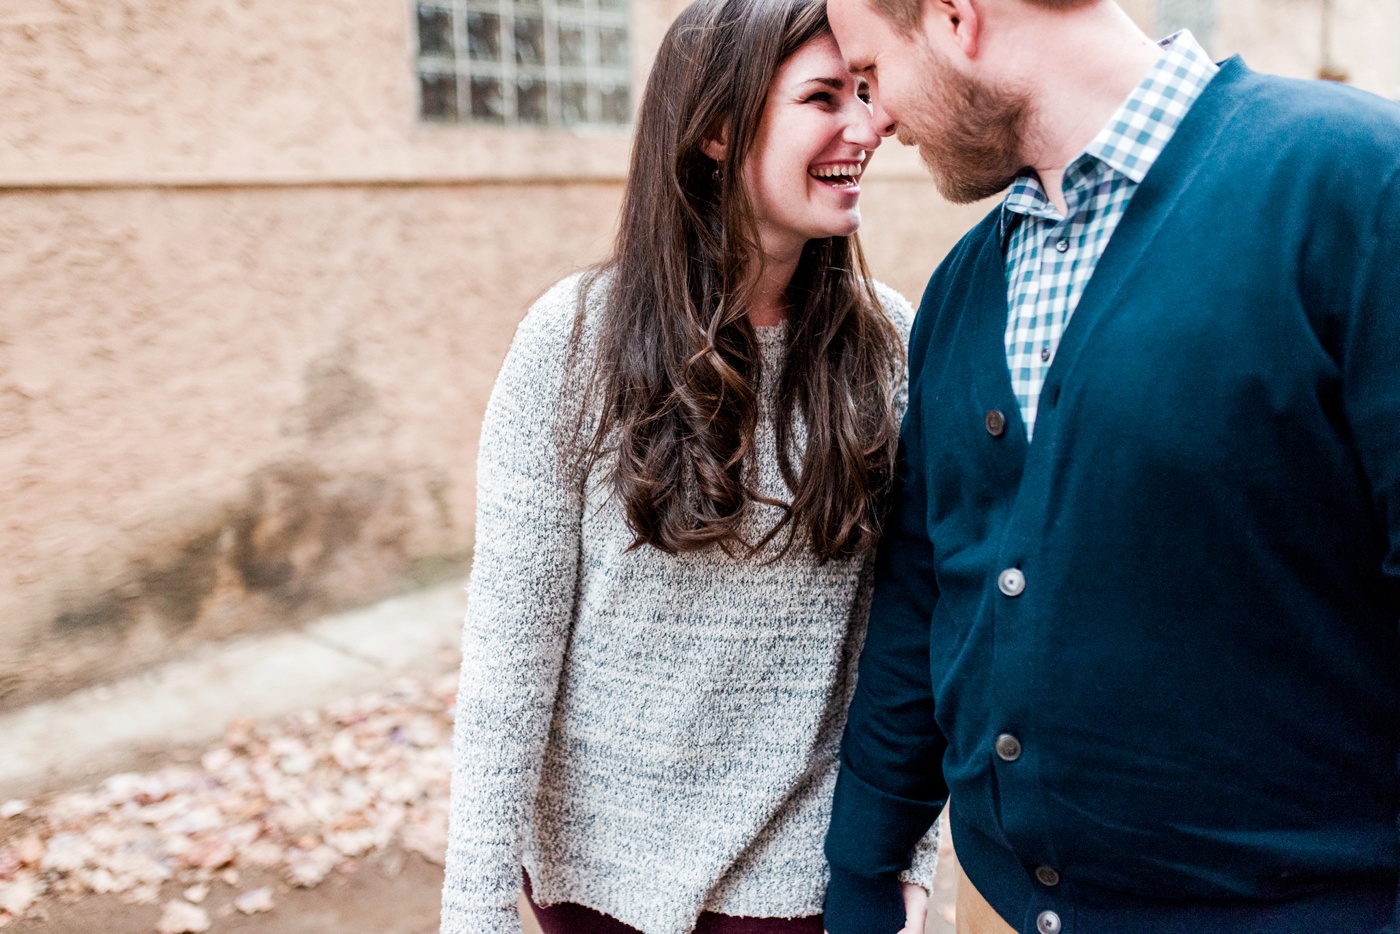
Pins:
x: 606, y: 100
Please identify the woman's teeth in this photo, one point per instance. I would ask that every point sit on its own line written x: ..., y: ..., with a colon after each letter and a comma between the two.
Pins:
x: 840, y: 175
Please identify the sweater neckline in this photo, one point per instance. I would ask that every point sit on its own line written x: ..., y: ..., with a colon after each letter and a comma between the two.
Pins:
x: 772, y: 338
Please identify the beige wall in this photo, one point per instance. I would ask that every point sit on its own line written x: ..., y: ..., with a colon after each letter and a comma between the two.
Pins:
x: 250, y: 309
x: 216, y: 91
x: 1287, y: 37
x: 226, y: 409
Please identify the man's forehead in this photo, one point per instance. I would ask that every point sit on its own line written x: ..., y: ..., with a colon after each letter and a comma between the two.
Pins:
x: 849, y: 13
x: 859, y: 29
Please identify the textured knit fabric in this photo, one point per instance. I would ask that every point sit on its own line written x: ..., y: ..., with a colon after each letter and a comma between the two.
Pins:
x: 652, y: 735
x: 1050, y: 257
x: 1185, y: 701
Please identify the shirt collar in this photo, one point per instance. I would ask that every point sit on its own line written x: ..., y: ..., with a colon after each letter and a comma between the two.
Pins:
x: 1140, y: 128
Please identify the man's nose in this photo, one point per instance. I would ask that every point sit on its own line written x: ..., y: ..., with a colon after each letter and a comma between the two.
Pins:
x: 885, y: 125
x: 861, y: 128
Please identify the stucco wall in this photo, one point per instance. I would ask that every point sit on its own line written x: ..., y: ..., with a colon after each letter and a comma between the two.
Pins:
x: 1287, y: 37
x: 251, y: 307
x: 251, y: 310
x: 99, y: 92
x: 226, y: 409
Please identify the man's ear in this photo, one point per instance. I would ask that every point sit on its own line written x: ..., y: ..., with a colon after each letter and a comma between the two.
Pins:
x: 954, y: 24
x: 716, y: 144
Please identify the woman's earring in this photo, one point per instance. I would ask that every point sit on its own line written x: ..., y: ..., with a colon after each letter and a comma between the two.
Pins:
x: 716, y: 175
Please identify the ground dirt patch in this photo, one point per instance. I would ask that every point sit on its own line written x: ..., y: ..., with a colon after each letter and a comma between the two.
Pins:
x: 392, y: 892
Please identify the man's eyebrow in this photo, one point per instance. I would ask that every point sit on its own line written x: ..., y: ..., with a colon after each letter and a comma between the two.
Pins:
x: 861, y: 68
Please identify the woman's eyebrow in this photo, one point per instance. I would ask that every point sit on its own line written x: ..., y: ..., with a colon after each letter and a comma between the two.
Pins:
x: 833, y: 83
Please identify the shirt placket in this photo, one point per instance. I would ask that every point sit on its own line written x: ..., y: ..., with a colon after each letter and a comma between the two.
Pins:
x: 1063, y: 247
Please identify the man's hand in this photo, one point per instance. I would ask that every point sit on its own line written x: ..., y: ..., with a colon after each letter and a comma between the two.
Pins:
x: 915, y: 908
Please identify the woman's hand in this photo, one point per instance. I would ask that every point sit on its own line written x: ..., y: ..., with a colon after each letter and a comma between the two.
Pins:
x: 915, y: 908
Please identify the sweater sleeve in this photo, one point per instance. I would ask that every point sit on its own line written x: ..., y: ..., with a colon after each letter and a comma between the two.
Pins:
x: 1371, y: 380
x: 923, y: 864
x: 890, y: 789
x: 522, y: 590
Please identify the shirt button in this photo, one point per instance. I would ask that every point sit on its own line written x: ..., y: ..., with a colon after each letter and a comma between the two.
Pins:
x: 1008, y: 747
x: 1047, y: 876
x: 1062, y: 246
x: 1011, y: 582
x: 996, y: 423
x: 1045, y: 355
x: 1047, y: 922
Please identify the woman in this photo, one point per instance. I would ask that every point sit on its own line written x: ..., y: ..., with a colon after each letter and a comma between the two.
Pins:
x: 678, y: 492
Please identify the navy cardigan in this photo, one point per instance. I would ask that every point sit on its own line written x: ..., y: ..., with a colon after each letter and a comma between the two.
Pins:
x: 1189, y: 717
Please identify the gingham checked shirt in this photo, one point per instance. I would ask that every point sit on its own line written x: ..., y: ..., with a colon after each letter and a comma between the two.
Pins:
x: 1050, y: 257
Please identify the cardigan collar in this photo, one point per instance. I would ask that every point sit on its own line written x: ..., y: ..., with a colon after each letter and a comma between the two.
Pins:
x: 1182, y: 159
x: 1133, y: 138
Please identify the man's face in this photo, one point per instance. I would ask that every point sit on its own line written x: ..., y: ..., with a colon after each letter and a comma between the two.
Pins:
x: 969, y: 133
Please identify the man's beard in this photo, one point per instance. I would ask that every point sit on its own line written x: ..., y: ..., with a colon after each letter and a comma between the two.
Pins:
x: 969, y: 134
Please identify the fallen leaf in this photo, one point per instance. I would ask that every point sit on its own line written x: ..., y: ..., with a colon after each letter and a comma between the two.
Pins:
x: 16, y: 896
x: 254, y: 901
x: 182, y: 918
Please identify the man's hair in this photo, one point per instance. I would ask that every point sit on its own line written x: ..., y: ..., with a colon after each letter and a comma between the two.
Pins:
x: 906, y: 15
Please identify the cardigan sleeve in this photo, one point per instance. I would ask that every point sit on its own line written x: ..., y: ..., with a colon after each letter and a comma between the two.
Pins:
x: 1371, y: 374
x: 890, y: 788
x: 924, y: 861
x: 522, y: 591
x: 1371, y: 381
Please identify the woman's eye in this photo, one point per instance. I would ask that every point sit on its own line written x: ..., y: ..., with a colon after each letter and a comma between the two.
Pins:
x: 821, y: 97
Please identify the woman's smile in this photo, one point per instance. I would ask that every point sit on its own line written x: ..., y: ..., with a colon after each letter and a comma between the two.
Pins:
x: 842, y: 176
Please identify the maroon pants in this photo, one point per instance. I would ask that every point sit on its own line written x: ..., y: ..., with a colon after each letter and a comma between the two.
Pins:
x: 568, y: 918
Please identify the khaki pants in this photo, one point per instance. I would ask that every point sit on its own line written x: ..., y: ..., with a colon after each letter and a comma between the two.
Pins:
x: 975, y: 916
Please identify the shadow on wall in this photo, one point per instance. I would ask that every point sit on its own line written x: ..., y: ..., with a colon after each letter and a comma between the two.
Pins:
x: 292, y: 549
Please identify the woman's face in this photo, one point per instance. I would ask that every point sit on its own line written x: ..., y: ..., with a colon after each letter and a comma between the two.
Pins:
x: 814, y: 141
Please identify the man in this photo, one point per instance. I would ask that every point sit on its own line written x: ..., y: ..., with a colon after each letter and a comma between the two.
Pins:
x: 1137, y: 605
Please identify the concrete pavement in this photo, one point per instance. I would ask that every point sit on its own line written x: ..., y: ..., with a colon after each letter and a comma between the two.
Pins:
x: 121, y: 726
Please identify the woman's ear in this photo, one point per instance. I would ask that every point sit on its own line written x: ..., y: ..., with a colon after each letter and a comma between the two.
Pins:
x: 716, y: 144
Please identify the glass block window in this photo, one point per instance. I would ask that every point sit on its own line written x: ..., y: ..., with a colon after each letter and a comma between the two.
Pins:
x: 1195, y: 15
x: 524, y: 62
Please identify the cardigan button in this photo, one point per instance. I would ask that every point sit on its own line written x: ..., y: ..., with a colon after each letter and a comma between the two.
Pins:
x: 1008, y: 748
x: 996, y: 423
x: 1047, y: 922
x: 1011, y: 582
x: 1047, y: 876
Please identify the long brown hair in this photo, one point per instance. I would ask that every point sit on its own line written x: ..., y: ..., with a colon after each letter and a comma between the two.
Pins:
x: 674, y: 386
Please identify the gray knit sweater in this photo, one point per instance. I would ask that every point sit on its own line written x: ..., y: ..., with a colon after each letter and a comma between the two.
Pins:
x: 648, y: 735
